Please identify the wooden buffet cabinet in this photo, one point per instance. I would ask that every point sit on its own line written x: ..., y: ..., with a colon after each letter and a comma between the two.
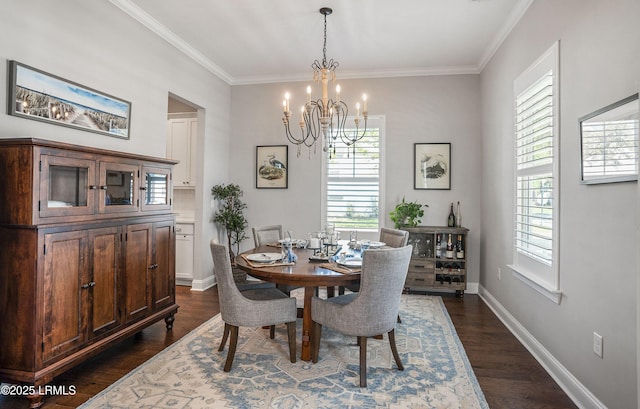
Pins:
x: 431, y: 268
x: 87, y: 254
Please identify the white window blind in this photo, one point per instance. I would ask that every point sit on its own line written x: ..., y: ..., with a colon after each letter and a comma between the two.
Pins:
x: 353, y: 174
x: 536, y: 175
x: 534, y: 160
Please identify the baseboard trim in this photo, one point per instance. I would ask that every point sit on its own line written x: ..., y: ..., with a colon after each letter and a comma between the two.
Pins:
x: 576, y: 391
x: 202, y: 285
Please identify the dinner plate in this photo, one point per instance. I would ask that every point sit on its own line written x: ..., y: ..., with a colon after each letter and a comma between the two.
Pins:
x: 351, y: 263
x: 376, y: 244
x: 264, y: 257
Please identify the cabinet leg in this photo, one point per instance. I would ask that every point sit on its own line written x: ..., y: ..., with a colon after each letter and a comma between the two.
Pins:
x: 460, y: 293
x: 35, y: 401
x: 169, y: 321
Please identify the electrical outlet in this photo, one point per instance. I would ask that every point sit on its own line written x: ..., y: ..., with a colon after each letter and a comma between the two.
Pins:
x: 597, y: 344
x: 499, y: 273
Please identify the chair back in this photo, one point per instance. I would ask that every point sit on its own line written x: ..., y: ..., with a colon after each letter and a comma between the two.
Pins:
x: 228, y: 293
x: 266, y: 234
x: 382, y: 279
x: 394, y: 237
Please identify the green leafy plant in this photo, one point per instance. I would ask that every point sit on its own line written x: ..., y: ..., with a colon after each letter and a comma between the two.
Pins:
x: 231, y: 214
x: 407, y: 214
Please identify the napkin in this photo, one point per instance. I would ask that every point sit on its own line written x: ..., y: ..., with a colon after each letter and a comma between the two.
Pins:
x: 259, y: 265
x: 340, y: 269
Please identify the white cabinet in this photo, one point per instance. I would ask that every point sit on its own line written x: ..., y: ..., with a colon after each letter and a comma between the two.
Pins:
x: 184, y: 253
x: 182, y: 146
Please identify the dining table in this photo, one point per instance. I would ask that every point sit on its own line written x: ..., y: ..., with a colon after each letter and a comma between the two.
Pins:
x: 308, y: 271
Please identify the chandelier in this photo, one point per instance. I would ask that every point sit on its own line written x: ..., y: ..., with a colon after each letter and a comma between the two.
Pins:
x: 324, y: 116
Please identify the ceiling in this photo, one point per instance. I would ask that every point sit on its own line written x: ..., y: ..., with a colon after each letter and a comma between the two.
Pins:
x: 262, y: 41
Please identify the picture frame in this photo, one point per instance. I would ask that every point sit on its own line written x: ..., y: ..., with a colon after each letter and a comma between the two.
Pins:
x: 38, y: 95
x: 432, y: 166
x: 609, y: 139
x: 272, y: 167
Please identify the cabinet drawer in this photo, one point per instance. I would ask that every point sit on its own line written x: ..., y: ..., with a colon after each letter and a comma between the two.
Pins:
x: 419, y: 279
x: 421, y: 266
x: 184, y: 228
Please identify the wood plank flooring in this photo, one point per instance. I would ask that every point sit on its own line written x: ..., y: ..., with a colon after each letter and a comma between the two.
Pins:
x: 509, y: 376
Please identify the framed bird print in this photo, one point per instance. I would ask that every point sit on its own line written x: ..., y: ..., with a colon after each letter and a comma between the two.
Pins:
x: 432, y: 166
x: 272, y: 167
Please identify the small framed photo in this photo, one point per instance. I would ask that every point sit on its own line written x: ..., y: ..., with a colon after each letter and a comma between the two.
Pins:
x: 272, y: 167
x: 432, y: 166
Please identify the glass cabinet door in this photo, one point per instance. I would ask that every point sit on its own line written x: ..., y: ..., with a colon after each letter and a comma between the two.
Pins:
x: 155, y: 189
x: 118, y: 188
x: 67, y: 186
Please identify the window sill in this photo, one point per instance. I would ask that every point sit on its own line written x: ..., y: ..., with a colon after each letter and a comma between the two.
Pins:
x: 552, y: 294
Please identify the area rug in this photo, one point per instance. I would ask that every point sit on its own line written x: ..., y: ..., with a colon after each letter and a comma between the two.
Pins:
x: 188, y: 374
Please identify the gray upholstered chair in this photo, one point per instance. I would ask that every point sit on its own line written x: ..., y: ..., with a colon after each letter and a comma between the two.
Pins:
x: 271, y: 234
x: 394, y: 237
x: 250, y: 308
x: 267, y: 234
x: 370, y: 311
x: 391, y: 238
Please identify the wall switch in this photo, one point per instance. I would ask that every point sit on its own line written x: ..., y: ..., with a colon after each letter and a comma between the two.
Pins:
x: 499, y: 273
x: 597, y: 344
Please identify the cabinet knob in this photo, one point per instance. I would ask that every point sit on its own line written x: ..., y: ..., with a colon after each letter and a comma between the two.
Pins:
x: 152, y: 266
x: 103, y: 187
x: 88, y: 285
x: 93, y: 187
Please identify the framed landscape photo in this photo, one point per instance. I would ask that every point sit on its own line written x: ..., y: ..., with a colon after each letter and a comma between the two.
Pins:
x: 432, y: 166
x: 35, y: 94
x: 272, y: 166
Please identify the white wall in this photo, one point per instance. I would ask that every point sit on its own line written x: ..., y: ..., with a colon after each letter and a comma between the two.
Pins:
x: 420, y: 109
x: 97, y: 45
x: 599, y: 64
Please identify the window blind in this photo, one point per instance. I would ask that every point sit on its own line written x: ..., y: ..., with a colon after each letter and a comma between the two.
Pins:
x: 353, y: 183
x: 534, y: 170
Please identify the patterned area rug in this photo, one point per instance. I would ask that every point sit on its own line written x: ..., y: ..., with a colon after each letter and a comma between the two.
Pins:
x: 188, y: 374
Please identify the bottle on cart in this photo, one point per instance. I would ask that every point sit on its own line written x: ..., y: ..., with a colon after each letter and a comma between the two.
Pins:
x: 459, y: 247
x: 458, y: 216
x: 438, y: 246
x: 449, y: 253
x: 451, y: 221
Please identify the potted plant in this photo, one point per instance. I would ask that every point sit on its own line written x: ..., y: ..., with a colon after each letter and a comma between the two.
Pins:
x: 230, y: 215
x: 407, y: 214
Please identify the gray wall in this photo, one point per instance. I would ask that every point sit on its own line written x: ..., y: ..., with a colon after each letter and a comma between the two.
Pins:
x: 599, y: 64
x: 97, y: 45
x: 419, y: 109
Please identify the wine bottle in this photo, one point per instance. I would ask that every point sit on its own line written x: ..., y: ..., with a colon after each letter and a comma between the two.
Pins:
x: 459, y: 247
x: 449, y: 253
x: 438, y: 246
x: 451, y: 221
x: 458, y: 216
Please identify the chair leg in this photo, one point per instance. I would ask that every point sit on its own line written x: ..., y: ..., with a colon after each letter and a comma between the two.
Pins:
x: 272, y: 331
x: 362, y: 341
x: 291, y: 335
x: 232, y: 348
x: 316, y: 333
x: 394, y: 349
x: 225, y: 335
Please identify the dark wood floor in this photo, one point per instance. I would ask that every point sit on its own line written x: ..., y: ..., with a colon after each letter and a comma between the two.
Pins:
x: 509, y: 376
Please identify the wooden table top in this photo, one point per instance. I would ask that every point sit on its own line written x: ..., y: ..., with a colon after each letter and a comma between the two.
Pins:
x: 303, y: 273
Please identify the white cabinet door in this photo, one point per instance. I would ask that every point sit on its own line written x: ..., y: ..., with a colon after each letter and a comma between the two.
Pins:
x: 181, y: 145
x: 184, y: 253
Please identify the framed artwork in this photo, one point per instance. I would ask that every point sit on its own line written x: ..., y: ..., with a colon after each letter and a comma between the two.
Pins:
x: 609, y: 139
x: 35, y: 94
x: 272, y: 166
x: 432, y: 166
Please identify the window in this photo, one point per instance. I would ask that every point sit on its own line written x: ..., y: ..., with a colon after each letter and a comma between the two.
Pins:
x: 352, y: 181
x: 536, y: 175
